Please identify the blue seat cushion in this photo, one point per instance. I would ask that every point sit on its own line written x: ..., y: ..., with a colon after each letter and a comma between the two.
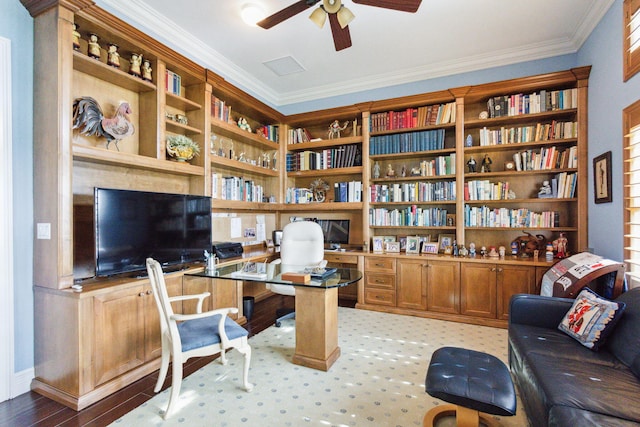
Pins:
x: 203, y: 332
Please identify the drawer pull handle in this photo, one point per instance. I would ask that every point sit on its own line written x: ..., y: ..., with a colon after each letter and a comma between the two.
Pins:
x: 141, y: 294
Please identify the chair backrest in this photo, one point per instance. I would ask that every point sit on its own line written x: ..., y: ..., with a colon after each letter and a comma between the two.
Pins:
x: 302, y: 245
x: 160, y: 294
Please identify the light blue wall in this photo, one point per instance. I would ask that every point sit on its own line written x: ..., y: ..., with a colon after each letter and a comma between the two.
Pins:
x: 608, y: 96
x: 17, y: 25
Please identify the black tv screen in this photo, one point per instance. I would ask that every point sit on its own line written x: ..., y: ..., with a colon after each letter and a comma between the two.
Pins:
x: 131, y: 226
x: 335, y: 230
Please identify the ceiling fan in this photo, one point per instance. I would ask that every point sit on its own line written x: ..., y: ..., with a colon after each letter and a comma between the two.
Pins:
x: 339, y: 16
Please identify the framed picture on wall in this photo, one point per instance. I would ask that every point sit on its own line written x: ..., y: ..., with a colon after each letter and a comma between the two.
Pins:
x: 413, y: 244
x: 602, y: 178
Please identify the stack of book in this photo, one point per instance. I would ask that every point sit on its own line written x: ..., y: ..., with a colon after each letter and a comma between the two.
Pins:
x: 514, y: 105
x: 342, y: 156
x: 407, y: 142
x: 172, y: 82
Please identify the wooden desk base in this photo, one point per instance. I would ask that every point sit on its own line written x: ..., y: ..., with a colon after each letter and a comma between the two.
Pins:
x: 316, y: 328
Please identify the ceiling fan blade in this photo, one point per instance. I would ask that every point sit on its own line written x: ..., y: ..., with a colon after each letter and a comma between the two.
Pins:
x: 341, y: 36
x: 401, y: 5
x: 286, y: 13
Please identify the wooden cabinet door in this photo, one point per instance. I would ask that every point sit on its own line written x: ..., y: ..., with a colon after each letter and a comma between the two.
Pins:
x: 411, y: 284
x: 443, y: 287
x: 478, y: 290
x: 513, y: 279
x: 119, y: 332
x: 153, y: 340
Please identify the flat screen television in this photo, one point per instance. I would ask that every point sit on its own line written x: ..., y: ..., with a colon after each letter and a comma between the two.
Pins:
x: 336, y: 231
x: 131, y: 226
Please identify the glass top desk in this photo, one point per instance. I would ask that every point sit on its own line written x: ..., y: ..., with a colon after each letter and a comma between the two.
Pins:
x: 316, y: 305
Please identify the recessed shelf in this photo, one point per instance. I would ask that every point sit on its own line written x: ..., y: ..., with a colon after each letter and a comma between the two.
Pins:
x: 235, y: 133
x: 110, y: 74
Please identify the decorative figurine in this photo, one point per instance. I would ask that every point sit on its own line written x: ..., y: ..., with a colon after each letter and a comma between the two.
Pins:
x: 502, y: 251
x: 376, y: 170
x: 93, y: 49
x: 469, y: 141
x: 545, y: 191
x: 560, y: 246
x: 463, y: 251
x: 415, y: 171
x: 514, y: 248
x: 274, y: 162
x: 390, y: 171
x: 212, y: 143
x: 242, y: 124
x: 472, y: 250
x: 113, y: 57
x: 319, y: 188
x: 486, y: 164
x: 76, y: 37
x: 89, y: 120
x: 403, y: 171
x: 549, y: 252
x: 456, y: 252
x: 335, y: 129
x: 472, y: 165
x: 146, y: 70
x: 483, y: 251
x: 492, y: 252
x: 134, y: 67
x: 483, y: 115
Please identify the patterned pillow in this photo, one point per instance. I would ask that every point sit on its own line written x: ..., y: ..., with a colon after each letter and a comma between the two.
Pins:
x: 591, y: 319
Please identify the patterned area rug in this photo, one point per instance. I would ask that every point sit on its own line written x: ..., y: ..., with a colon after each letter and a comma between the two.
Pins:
x: 378, y: 380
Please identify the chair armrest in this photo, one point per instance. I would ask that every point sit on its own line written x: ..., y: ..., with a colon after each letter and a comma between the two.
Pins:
x: 199, y: 297
x: 224, y: 339
x: 538, y: 310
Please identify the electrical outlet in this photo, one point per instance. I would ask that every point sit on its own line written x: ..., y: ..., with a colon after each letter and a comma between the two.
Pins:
x: 43, y: 230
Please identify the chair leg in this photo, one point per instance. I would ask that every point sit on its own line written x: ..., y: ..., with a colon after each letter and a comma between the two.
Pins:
x: 176, y: 383
x: 246, y: 351
x: 164, y: 368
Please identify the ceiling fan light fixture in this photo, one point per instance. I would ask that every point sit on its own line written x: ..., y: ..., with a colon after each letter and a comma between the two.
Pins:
x: 318, y: 17
x: 251, y: 14
x: 345, y: 16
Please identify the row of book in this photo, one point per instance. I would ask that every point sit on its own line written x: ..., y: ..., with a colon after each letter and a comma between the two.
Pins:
x: 483, y: 189
x: 342, y: 156
x: 299, y: 135
x: 413, y: 192
x: 411, y: 216
x: 172, y: 82
x: 514, y: 105
x: 546, y: 158
x: 220, y: 110
x: 539, y: 132
x: 235, y: 188
x: 429, y: 115
x: 563, y: 185
x: 484, y: 216
x: 407, y: 142
x: 347, y: 191
x: 271, y: 132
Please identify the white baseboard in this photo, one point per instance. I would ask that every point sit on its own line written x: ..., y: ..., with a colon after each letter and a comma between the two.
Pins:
x: 21, y: 382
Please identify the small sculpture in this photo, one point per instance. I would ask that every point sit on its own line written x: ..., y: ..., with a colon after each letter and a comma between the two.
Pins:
x: 469, y: 141
x: 403, y: 171
x: 146, y: 70
x: 472, y: 165
x: 376, y: 170
x: 135, y: 62
x: 76, y: 37
x: 486, y: 163
x: 472, y: 250
x: 242, y: 124
x: 335, y: 129
x: 545, y: 191
x: 93, y: 49
x: 502, y: 251
x: 88, y: 117
x: 319, y: 188
x: 492, y: 252
x: 113, y: 57
x: 415, y: 171
x: 560, y: 246
x: 390, y: 172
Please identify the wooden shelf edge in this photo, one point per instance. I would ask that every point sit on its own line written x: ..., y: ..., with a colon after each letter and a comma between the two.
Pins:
x: 522, y: 229
x: 324, y: 143
x: 410, y: 154
x: 517, y: 145
x: 515, y: 173
x: 182, y: 103
x: 135, y: 161
x: 437, y: 202
x: 173, y: 126
x: 475, y: 123
x: 531, y: 200
x: 327, y: 206
x: 110, y: 74
x: 410, y: 179
x: 243, y: 166
x: 233, y: 132
x: 322, y: 172
x: 416, y: 227
x: 415, y: 129
x: 218, y: 204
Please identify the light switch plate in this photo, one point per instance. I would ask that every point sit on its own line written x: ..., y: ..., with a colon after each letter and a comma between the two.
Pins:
x: 43, y: 230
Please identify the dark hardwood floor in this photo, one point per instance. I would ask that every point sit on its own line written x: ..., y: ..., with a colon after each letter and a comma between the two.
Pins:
x: 32, y: 409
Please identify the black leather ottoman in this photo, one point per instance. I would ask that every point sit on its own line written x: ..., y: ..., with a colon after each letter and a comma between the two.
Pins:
x: 472, y: 382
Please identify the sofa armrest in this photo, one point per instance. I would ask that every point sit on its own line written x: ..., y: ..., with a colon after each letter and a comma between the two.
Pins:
x: 537, y: 310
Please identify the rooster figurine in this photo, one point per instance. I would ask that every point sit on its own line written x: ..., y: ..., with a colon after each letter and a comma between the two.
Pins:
x: 88, y: 117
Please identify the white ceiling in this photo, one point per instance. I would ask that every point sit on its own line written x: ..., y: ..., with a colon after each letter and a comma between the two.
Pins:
x: 444, y: 37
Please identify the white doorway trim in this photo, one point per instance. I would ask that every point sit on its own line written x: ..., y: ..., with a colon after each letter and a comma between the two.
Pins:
x: 6, y: 225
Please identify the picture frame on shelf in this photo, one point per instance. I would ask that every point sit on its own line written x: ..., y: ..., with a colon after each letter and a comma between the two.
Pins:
x: 377, y: 243
x: 445, y: 241
x: 388, y: 239
x: 430, y: 248
x: 413, y: 245
x: 602, y: 178
x: 403, y: 243
x: 392, y: 247
x: 451, y: 220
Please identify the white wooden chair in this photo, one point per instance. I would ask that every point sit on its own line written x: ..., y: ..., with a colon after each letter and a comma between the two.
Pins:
x: 302, y: 246
x: 193, y: 335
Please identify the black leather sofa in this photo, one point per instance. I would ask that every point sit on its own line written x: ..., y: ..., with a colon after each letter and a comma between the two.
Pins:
x: 561, y: 382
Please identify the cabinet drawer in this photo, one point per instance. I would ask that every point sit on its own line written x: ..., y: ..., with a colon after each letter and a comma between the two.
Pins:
x: 380, y: 297
x: 378, y: 280
x: 343, y: 258
x: 386, y: 265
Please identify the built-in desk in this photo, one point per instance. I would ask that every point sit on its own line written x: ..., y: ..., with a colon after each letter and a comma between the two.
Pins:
x: 316, y: 311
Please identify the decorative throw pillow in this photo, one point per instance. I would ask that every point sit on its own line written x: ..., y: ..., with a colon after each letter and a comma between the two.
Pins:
x: 591, y: 319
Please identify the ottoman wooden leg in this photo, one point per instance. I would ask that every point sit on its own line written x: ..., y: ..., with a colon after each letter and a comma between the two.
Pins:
x: 465, y: 417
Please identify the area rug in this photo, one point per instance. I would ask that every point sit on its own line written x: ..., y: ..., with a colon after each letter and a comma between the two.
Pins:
x: 378, y: 380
